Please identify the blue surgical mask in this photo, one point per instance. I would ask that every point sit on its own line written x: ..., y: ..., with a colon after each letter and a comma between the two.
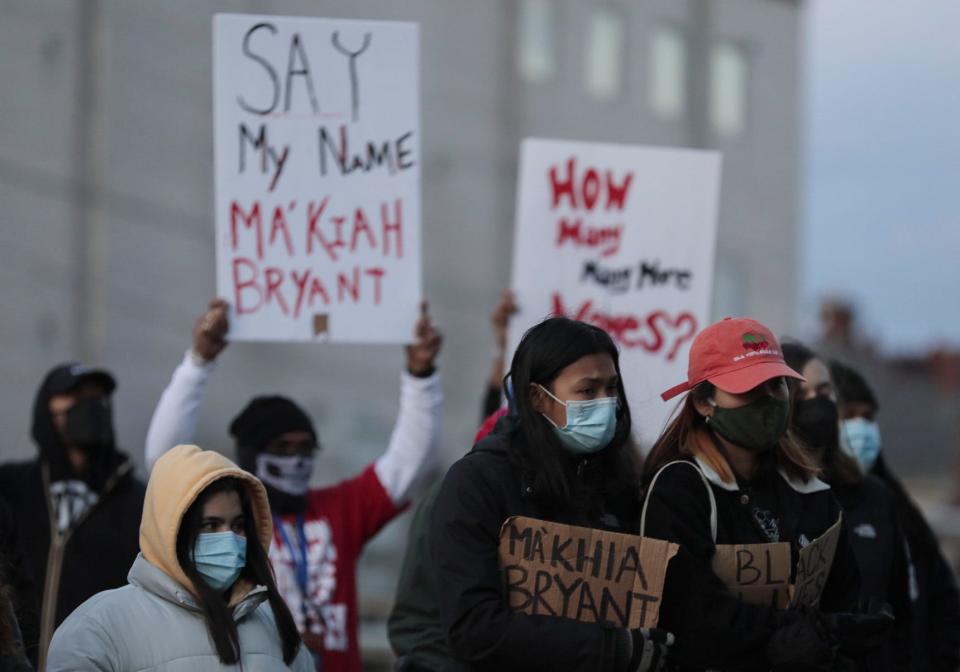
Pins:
x: 860, y: 439
x: 590, y: 424
x: 220, y: 557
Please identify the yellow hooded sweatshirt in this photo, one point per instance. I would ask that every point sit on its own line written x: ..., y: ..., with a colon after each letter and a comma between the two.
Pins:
x: 155, y: 622
x: 176, y: 481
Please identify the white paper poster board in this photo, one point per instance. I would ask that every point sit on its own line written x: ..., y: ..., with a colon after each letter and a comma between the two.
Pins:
x: 622, y: 237
x: 317, y: 153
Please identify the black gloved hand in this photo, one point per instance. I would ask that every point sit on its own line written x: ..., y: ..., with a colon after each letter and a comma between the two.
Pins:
x: 860, y: 632
x: 649, y: 649
x: 802, y: 643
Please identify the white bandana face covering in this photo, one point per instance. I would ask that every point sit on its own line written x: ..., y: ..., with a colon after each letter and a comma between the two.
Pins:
x: 287, y: 473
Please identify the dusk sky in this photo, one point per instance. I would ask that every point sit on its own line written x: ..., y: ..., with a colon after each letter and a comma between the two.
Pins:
x: 882, y: 192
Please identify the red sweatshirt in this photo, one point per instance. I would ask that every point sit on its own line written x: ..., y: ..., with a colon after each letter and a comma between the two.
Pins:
x: 338, y: 522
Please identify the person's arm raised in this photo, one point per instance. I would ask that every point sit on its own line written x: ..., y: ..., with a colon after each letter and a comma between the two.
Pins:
x: 414, y: 444
x: 505, y: 307
x: 174, y: 420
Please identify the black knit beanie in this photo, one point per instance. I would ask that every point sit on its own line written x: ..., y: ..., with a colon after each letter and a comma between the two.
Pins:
x: 264, y: 419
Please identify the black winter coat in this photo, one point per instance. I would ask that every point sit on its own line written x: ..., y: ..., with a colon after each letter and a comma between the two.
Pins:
x: 933, y: 587
x: 478, y: 494
x: 870, y: 516
x: 98, y: 552
x: 713, y: 629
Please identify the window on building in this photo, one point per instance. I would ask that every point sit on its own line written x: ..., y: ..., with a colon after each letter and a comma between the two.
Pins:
x: 728, y: 89
x: 536, y: 40
x: 603, y: 75
x: 668, y: 73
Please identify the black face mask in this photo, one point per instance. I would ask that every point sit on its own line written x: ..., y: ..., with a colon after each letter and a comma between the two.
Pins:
x: 818, y: 421
x: 90, y: 424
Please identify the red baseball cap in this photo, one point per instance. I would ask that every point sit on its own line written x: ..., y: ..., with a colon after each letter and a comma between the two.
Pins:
x: 736, y: 354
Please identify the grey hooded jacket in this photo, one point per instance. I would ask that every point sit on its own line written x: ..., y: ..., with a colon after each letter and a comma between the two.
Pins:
x: 154, y: 624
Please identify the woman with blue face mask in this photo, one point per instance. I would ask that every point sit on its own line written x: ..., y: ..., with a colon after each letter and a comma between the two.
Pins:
x: 934, y: 598
x: 201, y: 594
x: 563, y: 455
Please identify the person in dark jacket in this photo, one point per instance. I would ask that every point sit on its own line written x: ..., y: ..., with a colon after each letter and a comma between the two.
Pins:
x: 19, y: 620
x: 933, y: 587
x: 413, y: 628
x: 869, y: 508
x: 77, y: 503
x: 727, y: 471
x: 13, y: 658
x: 563, y: 457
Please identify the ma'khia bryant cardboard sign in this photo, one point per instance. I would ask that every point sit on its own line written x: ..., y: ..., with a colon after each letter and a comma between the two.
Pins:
x: 581, y: 573
x: 760, y: 573
x: 756, y: 573
x: 622, y: 237
x: 317, y: 162
x: 813, y: 567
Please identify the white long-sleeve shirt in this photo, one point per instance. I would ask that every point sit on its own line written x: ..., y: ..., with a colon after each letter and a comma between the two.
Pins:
x: 412, y: 451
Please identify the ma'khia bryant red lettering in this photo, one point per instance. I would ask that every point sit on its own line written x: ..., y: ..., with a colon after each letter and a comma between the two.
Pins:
x: 294, y: 292
x: 338, y: 233
x: 589, y: 189
x: 318, y: 227
x: 606, y: 239
x: 654, y: 332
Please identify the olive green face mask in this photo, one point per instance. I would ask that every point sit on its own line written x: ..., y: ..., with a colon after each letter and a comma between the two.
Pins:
x: 756, y: 427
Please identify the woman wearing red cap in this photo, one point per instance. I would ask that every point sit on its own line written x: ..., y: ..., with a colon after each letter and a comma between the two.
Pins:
x: 727, y: 472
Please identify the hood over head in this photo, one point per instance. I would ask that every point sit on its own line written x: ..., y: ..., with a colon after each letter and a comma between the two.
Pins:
x: 102, y: 462
x: 176, y: 481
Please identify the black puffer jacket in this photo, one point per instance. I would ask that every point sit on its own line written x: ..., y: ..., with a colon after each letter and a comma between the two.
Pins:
x: 713, y: 629
x: 93, y: 555
x: 478, y: 493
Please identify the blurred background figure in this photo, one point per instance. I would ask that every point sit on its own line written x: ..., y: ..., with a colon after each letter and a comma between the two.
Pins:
x: 17, y: 600
x: 932, y: 586
x: 77, y: 503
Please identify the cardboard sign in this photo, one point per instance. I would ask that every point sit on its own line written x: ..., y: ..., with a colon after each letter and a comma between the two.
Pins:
x: 581, y: 573
x: 622, y: 237
x: 756, y: 573
x: 813, y: 567
x: 317, y: 159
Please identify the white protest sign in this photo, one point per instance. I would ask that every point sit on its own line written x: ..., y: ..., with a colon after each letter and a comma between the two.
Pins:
x: 317, y: 153
x: 622, y: 237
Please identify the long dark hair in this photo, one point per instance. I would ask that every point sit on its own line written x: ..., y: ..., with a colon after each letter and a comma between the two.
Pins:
x: 838, y: 467
x: 679, y: 441
x: 216, y: 611
x: 545, y: 350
